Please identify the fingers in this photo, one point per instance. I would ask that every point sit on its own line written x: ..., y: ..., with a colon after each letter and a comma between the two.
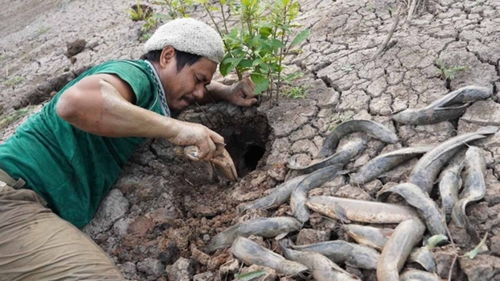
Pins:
x: 219, y: 149
x: 248, y: 87
x: 207, y: 149
x: 216, y: 137
x: 247, y: 102
x: 211, y: 146
x: 245, y: 93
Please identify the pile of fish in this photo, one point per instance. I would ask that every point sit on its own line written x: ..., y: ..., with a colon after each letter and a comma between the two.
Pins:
x: 381, y: 248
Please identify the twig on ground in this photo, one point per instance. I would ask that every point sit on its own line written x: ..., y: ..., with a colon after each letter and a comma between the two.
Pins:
x: 450, y: 273
x: 411, y: 10
x: 382, y: 47
x: 455, y: 254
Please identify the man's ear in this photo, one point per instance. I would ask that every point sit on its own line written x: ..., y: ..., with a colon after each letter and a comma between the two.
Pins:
x: 167, y: 55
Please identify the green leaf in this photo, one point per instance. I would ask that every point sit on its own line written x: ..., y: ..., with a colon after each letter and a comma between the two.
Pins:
x: 262, y: 66
x: 265, y: 31
x: 480, y: 248
x: 228, y: 64
x: 245, y: 3
x: 250, y: 275
x: 260, y: 81
x: 300, y: 37
x: 245, y: 63
x: 275, y: 43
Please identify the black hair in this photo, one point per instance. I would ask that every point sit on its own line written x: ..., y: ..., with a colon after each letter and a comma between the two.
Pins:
x: 182, y: 58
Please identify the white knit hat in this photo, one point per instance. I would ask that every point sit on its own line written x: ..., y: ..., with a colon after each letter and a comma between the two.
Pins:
x: 190, y: 36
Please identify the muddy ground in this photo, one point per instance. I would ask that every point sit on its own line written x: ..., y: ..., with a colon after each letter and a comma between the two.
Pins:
x: 164, y: 210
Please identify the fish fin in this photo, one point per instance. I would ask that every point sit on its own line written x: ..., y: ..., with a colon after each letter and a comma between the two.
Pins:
x: 280, y: 236
x: 453, y: 107
x: 341, y: 215
x: 345, y: 172
x: 488, y: 130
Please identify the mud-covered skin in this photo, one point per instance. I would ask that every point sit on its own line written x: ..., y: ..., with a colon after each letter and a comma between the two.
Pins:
x: 397, y: 249
x: 223, y: 162
x: 474, y: 184
x: 265, y: 227
x: 423, y: 256
x: 386, y: 162
x: 252, y: 253
x: 450, y: 183
x: 344, y: 252
x: 450, y: 106
x: 427, y: 168
x: 278, y: 196
x: 418, y: 275
x: 313, y: 180
x: 348, y: 151
x: 425, y: 206
x: 360, y: 210
x: 372, y: 128
x: 322, y: 268
x: 370, y: 236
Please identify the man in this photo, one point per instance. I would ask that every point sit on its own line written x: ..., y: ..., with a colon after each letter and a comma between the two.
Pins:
x: 58, y: 166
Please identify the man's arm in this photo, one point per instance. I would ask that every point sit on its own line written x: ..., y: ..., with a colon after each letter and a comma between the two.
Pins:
x: 102, y: 105
x: 240, y: 93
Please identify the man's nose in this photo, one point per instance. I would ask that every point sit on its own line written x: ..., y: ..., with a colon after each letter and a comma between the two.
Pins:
x: 199, y: 92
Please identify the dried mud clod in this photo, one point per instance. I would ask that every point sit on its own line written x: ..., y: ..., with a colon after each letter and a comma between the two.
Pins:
x: 75, y: 47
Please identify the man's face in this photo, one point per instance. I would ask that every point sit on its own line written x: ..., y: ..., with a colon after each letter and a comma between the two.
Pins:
x: 186, y: 86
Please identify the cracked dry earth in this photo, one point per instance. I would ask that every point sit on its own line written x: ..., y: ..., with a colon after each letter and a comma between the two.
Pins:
x: 162, y: 212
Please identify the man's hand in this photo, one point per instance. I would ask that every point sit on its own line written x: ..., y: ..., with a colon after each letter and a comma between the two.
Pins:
x: 242, y: 93
x: 188, y: 134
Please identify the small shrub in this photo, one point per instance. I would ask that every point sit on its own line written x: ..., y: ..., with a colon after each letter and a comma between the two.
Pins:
x: 14, y: 81
x: 449, y: 72
x: 7, y: 119
x: 139, y: 12
x: 265, y: 34
x: 297, y: 92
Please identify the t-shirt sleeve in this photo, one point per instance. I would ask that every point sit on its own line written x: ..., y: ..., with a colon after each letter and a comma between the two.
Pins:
x: 138, y: 80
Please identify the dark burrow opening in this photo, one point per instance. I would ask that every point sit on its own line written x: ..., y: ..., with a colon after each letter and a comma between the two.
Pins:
x: 245, y: 150
x: 245, y: 131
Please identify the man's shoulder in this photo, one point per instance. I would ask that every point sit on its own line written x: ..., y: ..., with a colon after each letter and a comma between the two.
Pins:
x: 130, y: 64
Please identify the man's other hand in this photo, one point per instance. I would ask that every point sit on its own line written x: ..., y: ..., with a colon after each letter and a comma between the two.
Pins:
x: 242, y: 93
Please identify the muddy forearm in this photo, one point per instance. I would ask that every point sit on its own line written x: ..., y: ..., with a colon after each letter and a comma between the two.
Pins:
x: 109, y: 114
x: 216, y: 92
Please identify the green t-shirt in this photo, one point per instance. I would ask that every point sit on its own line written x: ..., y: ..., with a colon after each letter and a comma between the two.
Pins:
x: 71, y: 169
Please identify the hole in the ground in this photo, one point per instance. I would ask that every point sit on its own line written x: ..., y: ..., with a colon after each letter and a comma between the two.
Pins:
x: 252, y: 156
x: 245, y: 131
x: 246, y: 153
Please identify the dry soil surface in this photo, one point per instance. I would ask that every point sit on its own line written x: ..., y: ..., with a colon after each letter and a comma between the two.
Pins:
x: 162, y: 212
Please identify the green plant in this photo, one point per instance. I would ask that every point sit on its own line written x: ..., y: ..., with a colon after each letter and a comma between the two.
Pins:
x: 134, y: 15
x: 250, y: 275
x: 449, y: 72
x: 176, y: 8
x: 13, y: 81
x: 10, y: 118
x: 259, y: 41
x: 149, y: 25
x: 139, y: 12
x: 296, y: 92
